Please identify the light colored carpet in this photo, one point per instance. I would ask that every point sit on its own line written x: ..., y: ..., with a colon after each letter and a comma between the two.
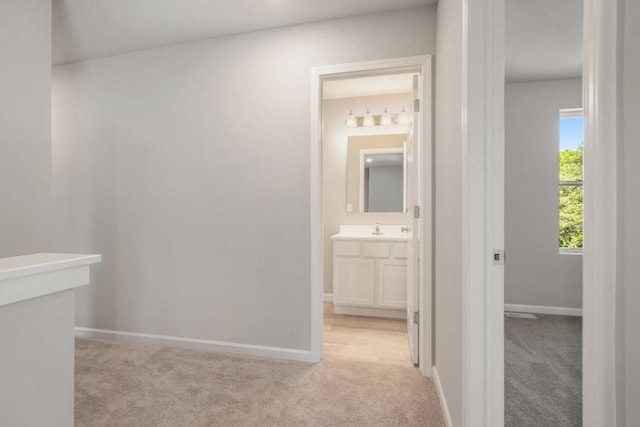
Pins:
x: 123, y: 384
x: 543, y: 371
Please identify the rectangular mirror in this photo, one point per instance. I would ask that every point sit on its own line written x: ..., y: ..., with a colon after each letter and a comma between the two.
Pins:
x: 376, y: 173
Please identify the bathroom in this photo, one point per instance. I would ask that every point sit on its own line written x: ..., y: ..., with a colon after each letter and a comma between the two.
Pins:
x: 369, y: 163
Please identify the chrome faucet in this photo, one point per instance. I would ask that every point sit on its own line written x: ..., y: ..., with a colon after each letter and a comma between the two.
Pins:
x: 378, y: 229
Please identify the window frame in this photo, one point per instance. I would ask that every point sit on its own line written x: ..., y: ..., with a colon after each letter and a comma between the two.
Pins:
x: 570, y: 113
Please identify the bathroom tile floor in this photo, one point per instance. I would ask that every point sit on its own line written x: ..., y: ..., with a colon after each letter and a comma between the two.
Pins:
x: 369, y: 339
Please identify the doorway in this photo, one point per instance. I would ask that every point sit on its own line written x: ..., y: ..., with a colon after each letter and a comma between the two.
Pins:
x: 543, y: 214
x: 388, y: 273
x: 484, y: 51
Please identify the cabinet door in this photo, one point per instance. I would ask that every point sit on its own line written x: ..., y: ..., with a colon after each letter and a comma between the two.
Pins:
x: 353, y: 281
x: 392, y: 283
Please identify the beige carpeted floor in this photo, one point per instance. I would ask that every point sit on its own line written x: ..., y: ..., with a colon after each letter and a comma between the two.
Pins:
x: 122, y: 384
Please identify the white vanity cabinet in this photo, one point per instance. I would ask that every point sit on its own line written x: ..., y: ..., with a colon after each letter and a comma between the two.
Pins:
x: 392, y: 283
x: 353, y: 280
x: 370, y: 276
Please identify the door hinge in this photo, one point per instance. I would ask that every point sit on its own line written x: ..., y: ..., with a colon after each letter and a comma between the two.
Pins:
x: 416, y: 317
x: 416, y: 211
x: 416, y: 105
x: 498, y: 257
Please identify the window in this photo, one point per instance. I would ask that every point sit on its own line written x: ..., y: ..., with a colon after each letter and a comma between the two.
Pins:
x: 570, y: 180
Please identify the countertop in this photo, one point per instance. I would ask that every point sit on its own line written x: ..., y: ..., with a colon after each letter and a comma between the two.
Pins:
x: 27, y: 276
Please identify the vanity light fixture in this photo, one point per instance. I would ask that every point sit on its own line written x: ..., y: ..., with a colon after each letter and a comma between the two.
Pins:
x: 403, y: 117
x: 351, y: 121
x: 368, y: 119
x: 385, y: 119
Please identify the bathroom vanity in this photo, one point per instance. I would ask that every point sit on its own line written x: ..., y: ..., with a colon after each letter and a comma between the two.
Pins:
x: 370, y: 271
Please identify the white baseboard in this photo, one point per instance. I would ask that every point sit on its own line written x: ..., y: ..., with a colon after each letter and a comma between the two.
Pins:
x: 198, y: 344
x: 443, y: 400
x: 541, y: 309
x: 388, y: 313
x: 328, y: 297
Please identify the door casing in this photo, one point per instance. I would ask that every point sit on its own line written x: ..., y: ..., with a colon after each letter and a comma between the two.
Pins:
x: 423, y: 64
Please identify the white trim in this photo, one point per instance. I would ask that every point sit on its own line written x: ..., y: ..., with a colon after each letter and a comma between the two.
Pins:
x: 543, y: 309
x: 571, y: 113
x: 328, y: 297
x: 570, y: 251
x: 443, y: 400
x: 406, y: 64
x: 316, y: 252
x: 601, y: 225
x: 483, y: 51
x: 197, y: 344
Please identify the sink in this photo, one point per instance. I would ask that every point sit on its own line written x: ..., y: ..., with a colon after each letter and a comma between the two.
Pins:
x: 387, y: 232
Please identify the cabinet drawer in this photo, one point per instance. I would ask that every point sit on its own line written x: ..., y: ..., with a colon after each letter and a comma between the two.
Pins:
x: 399, y: 250
x: 376, y: 249
x: 346, y: 248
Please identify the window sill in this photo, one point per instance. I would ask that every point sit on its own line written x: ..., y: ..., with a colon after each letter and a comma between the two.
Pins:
x: 570, y: 251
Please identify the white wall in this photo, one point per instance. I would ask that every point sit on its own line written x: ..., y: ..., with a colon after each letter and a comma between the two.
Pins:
x: 535, y: 272
x: 448, y: 206
x: 187, y: 167
x: 25, y: 118
x: 630, y: 231
x: 334, y: 166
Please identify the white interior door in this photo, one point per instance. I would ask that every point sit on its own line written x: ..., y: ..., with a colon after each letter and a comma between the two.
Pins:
x: 414, y: 183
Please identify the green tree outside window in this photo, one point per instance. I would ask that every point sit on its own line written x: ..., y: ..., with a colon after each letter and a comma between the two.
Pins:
x: 571, y: 212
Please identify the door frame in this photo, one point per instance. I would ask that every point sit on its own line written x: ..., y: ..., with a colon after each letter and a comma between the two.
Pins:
x: 483, y: 84
x: 600, y: 283
x: 424, y: 63
x: 483, y: 73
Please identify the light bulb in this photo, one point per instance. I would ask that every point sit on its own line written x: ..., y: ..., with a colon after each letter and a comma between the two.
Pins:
x: 403, y: 117
x: 368, y: 119
x: 351, y: 121
x: 385, y: 120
